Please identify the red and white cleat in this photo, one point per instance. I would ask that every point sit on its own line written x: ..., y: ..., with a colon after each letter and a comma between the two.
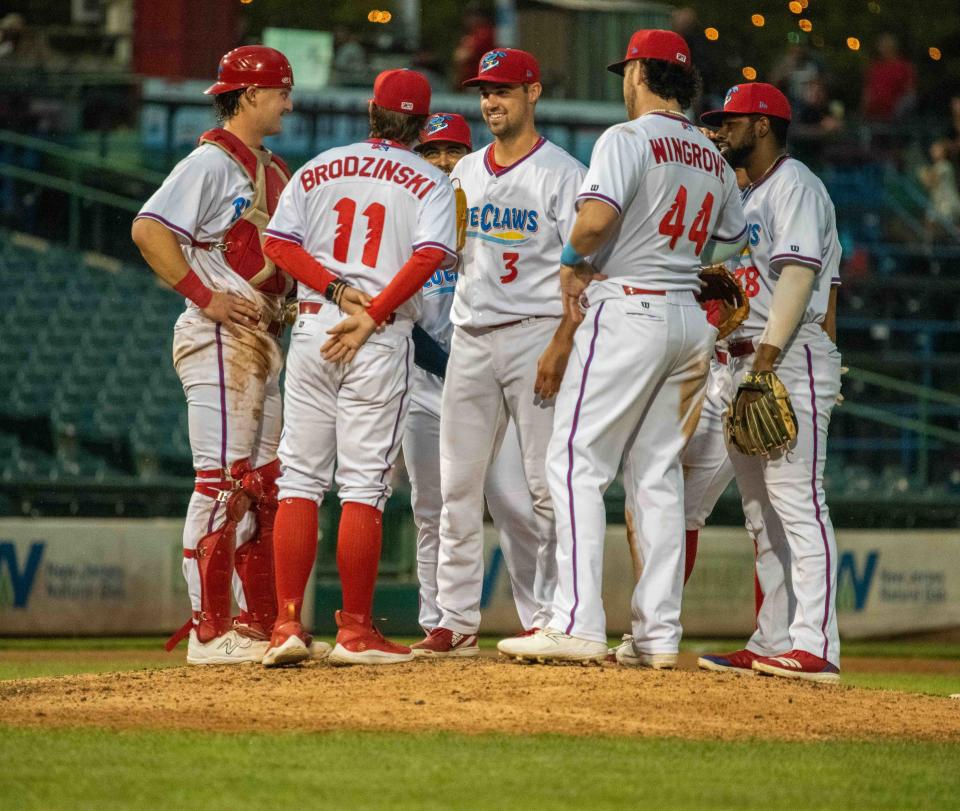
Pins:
x: 360, y: 643
x: 287, y: 645
x: 798, y: 664
x: 444, y: 643
x: 740, y: 661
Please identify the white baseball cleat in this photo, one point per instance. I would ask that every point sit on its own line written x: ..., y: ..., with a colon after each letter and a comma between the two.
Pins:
x: 319, y: 650
x: 229, y: 649
x: 551, y: 645
x: 287, y: 646
x: 628, y: 656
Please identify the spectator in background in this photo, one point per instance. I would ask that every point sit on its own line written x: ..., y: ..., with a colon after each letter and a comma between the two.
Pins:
x: 799, y: 66
x: 890, y: 85
x: 478, y: 39
x: 953, y: 134
x: 814, y: 114
x: 703, y: 54
x: 19, y: 46
x: 350, y: 68
x: 940, y: 180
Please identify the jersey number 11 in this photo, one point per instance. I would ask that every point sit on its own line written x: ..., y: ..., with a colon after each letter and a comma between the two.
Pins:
x: 346, y: 210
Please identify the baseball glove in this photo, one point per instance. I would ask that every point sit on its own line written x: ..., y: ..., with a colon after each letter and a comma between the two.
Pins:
x: 722, y: 299
x: 760, y: 419
x: 461, y: 198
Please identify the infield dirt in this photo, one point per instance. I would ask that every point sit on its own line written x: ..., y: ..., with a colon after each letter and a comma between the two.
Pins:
x: 483, y: 695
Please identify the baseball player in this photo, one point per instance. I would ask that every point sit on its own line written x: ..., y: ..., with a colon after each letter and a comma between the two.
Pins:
x: 375, y: 216
x: 200, y: 232
x: 658, y: 202
x: 444, y: 141
x: 788, y: 271
x: 507, y: 307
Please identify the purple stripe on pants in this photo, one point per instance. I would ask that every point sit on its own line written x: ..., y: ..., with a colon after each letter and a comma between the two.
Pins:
x: 223, y: 402
x: 573, y: 433
x: 816, y: 500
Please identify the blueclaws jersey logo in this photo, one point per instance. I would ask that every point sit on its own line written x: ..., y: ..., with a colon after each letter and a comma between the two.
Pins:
x: 437, y: 123
x: 502, y: 224
x: 491, y: 59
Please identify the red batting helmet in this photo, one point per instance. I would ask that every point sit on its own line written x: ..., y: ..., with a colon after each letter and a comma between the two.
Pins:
x: 249, y: 66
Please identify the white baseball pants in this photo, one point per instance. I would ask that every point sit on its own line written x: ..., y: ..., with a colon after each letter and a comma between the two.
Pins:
x: 234, y: 412
x: 346, y: 416
x: 508, y: 499
x: 490, y: 377
x: 633, y: 390
x: 707, y: 469
x: 797, y: 554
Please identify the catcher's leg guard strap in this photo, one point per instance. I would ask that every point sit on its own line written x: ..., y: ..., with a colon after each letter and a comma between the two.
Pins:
x: 254, y: 559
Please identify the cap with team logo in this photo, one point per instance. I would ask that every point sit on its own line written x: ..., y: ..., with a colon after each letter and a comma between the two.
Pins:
x: 402, y: 91
x: 506, y: 66
x: 445, y: 127
x: 655, y: 43
x: 751, y: 98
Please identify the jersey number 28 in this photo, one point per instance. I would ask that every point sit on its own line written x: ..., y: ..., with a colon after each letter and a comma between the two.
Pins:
x: 673, y: 226
x: 346, y: 210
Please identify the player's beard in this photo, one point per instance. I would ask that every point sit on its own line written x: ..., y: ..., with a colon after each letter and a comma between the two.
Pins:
x: 737, y: 156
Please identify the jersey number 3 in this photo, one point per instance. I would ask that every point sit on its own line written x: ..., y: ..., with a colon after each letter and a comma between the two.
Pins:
x: 346, y: 210
x: 510, y: 265
x: 672, y: 224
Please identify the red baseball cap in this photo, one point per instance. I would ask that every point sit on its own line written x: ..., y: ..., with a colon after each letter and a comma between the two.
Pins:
x: 402, y: 91
x: 753, y: 98
x: 446, y: 127
x: 251, y: 65
x: 655, y: 43
x: 506, y: 66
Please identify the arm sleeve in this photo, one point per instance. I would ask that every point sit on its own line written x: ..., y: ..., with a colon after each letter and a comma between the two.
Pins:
x: 797, y: 225
x: 407, y: 282
x: 615, y: 169
x: 427, y: 353
x: 790, y: 297
x: 437, y: 223
x: 298, y: 263
x: 189, y: 196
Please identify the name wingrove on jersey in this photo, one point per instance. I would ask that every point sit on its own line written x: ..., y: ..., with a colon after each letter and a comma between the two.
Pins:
x: 508, y: 226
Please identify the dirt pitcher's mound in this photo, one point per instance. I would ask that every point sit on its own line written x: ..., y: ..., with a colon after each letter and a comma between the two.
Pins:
x: 477, y: 696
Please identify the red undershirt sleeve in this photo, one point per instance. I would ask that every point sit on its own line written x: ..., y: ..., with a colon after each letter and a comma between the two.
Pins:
x: 410, y: 278
x: 298, y: 263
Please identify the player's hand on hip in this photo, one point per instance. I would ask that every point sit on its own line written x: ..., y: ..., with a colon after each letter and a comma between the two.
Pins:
x: 354, y: 301
x: 550, y: 368
x: 232, y: 311
x: 347, y: 337
x: 574, y: 279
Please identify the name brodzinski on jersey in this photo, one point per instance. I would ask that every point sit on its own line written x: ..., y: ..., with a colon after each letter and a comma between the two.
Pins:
x: 505, y: 225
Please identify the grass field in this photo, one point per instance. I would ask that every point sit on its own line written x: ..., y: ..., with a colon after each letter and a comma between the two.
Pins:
x: 87, y: 767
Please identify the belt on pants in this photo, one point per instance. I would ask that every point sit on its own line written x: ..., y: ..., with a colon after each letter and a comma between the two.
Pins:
x: 313, y: 307
x: 722, y: 356
x: 740, y: 349
x: 638, y: 291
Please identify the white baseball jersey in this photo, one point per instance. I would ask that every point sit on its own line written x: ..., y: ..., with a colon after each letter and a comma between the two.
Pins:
x: 518, y: 220
x: 201, y: 198
x: 790, y: 221
x: 438, y: 293
x: 673, y: 191
x: 361, y: 210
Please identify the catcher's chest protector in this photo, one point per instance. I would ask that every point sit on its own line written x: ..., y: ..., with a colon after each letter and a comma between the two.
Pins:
x: 242, y: 245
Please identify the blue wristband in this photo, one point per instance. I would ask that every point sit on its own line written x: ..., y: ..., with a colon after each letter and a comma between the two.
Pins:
x: 568, y: 256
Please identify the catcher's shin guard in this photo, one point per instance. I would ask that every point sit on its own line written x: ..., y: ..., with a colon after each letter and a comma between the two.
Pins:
x: 254, y: 561
x: 237, y: 488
